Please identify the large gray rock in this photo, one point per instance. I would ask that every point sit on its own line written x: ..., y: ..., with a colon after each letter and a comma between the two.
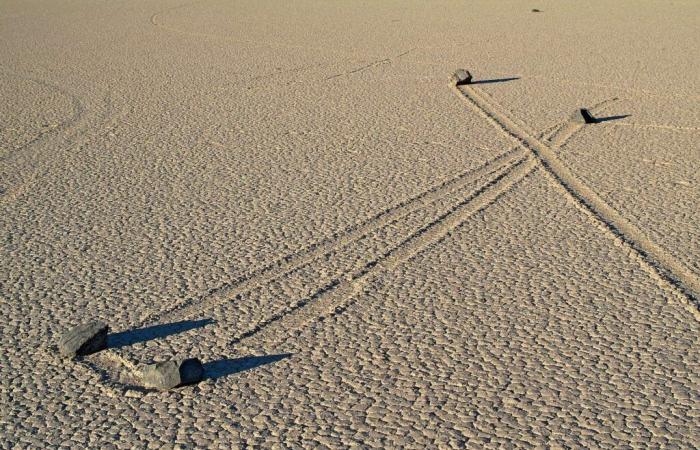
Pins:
x: 463, y: 77
x: 583, y: 116
x: 169, y: 374
x: 84, y: 339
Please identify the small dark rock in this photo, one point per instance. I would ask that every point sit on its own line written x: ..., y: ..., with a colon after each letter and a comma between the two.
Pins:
x: 463, y: 77
x: 583, y: 116
x: 536, y: 10
x: 84, y: 339
x: 169, y: 374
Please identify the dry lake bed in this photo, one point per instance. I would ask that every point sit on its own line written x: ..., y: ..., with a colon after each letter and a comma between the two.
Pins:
x: 305, y: 227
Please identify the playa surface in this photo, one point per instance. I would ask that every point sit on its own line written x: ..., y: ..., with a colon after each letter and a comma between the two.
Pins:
x: 360, y: 252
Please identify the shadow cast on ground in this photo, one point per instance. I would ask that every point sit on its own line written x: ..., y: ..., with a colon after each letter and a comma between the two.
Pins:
x: 226, y: 367
x: 132, y: 337
x: 495, y: 80
x: 607, y: 119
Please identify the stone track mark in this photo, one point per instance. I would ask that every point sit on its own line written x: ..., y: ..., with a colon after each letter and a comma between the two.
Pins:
x: 359, y: 69
x: 154, y: 20
x: 118, y: 372
x: 77, y: 114
x: 337, y: 297
x: 570, y: 128
x: 370, y: 65
x: 196, y: 305
x: 290, y: 263
x: 75, y: 132
x: 658, y: 126
x: 656, y: 258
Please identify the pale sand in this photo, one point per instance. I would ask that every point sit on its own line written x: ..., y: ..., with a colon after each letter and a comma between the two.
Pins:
x: 359, y: 252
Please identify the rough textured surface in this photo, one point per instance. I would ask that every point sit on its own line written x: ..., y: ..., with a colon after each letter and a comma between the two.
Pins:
x: 169, y: 374
x: 374, y: 263
x: 84, y: 339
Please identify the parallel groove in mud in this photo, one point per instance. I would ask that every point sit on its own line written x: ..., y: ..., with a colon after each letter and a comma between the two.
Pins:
x: 629, y: 234
x: 337, y: 297
x: 115, y: 365
x: 501, y: 175
x: 292, y: 262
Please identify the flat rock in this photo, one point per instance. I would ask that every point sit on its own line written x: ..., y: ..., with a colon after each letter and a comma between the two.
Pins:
x: 170, y: 374
x: 84, y: 339
x: 583, y: 116
x: 463, y: 77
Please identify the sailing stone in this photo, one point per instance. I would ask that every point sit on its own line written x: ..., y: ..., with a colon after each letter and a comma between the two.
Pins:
x: 170, y: 374
x: 463, y: 77
x: 84, y: 339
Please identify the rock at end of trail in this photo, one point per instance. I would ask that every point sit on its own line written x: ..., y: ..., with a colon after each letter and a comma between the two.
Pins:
x: 583, y: 116
x: 191, y: 371
x: 170, y: 374
x: 84, y: 339
x: 463, y: 77
x: 536, y: 10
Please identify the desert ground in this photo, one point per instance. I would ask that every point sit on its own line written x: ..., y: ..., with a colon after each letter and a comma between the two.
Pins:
x: 360, y: 252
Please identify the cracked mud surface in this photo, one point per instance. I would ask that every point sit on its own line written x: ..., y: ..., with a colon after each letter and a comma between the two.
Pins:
x: 359, y: 253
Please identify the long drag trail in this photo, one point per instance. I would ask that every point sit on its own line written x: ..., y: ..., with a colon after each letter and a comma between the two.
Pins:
x: 656, y: 258
x: 484, y: 186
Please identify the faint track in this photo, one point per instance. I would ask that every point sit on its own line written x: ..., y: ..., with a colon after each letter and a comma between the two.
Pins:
x: 155, y: 20
x: 156, y: 23
x: 78, y: 111
x: 73, y: 132
x: 628, y: 234
x: 361, y: 68
x: 616, y: 88
x: 370, y: 65
x: 661, y: 127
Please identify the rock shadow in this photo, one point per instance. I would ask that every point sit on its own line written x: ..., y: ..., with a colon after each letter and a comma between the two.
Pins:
x: 225, y: 367
x: 132, y: 337
x: 495, y: 80
x: 607, y: 119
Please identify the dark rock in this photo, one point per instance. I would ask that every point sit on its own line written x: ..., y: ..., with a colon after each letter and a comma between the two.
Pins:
x: 169, y: 374
x: 463, y: 77
x: 536, y: 10
x: 191, y: 371
x: 84, y: 339
x: 583, y: 116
